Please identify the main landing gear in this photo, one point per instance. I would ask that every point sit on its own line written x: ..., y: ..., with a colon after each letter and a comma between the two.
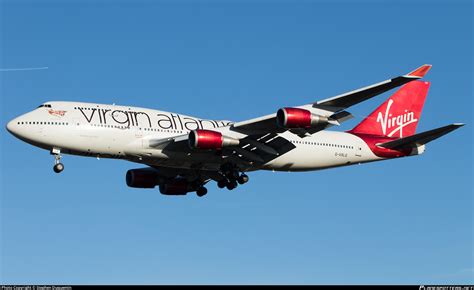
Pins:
x: 201, y: 191
x: 58, y: 166
x: 232, y: 177
x: 243, y: 178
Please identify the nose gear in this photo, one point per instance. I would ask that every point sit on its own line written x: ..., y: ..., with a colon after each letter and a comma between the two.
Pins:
x: 58, y: 166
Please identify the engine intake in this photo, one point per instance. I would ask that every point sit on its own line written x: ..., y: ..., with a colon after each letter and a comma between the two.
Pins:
x: 142, y: 178
x: 298, y: 118
x: 208, y: 139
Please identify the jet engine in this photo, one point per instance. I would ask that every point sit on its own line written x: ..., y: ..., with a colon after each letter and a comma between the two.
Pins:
x: 208, y: 139
x: 176, y: 186
x: 298, y: 118
x: 142, y: 178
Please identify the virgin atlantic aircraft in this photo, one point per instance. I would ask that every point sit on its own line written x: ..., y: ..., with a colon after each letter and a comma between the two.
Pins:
x: 183, y: 153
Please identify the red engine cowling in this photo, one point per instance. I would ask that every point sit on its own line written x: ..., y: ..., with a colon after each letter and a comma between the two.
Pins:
x: 177, y: 186
x: 208, y: 139
x: 298, y: 118
x: 142, y: 178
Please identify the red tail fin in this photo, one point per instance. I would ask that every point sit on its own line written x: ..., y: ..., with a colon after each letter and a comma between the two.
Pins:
x: 399, y: 115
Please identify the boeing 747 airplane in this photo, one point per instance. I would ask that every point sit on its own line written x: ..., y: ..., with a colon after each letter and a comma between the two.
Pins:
x: 184, y: 153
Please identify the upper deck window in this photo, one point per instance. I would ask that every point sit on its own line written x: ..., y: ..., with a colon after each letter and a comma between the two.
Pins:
x: 45, y: 105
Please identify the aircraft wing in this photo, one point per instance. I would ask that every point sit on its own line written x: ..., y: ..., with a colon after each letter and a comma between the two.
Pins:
x: 260, y: 142
x: 332, y: 108
x: 348, y: 99
x: 250, y: 150
x: 161, y: 142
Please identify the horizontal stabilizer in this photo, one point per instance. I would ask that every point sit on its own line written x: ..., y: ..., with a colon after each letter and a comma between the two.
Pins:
x: 420, y: 138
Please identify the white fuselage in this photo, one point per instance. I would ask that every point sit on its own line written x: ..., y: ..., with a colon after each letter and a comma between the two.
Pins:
x: 124, y: 132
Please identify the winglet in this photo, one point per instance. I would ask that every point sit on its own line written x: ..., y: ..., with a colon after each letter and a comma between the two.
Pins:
x: 420, y: 72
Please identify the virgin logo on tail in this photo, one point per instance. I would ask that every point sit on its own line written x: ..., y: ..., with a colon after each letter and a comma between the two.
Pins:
x: 394, y: 123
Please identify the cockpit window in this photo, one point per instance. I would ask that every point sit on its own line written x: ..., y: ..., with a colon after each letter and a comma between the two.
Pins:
x: 45, y: 105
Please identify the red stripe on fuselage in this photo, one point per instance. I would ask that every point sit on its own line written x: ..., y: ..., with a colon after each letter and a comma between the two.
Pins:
x: 372, y: 141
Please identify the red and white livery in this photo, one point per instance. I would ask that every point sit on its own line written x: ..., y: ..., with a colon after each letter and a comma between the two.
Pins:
x: 184, y: 153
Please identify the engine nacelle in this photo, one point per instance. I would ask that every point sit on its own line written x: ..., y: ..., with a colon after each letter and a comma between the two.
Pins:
x: 208, y: 139
x: 177, y: 186
x: 142, y: 178
x: 298, y: 118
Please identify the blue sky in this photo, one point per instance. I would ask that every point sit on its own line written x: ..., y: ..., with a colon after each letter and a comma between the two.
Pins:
x: 400, y: 221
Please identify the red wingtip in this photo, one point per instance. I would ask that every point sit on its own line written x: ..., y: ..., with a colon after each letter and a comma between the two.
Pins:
x: 421, y: 71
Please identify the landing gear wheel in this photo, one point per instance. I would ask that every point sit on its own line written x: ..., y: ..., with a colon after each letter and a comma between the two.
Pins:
x: 231, y: 185
x: 222, y: 183
x: 201, y: 191
x: 58, y: 167
x: 243, y: 179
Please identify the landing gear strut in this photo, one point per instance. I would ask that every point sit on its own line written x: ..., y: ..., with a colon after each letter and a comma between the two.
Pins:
x: 58, y: 166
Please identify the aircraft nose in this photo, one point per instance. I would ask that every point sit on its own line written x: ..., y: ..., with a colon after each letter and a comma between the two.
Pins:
x: 12, y: 126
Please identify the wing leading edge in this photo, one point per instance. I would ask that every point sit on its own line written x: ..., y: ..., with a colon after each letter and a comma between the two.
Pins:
x: 332, y: 108
x: 348, y: 99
